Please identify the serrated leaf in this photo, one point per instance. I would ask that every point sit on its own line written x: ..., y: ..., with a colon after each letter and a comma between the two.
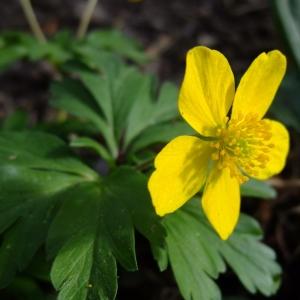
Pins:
x: 193, y: 255
x: 78, y: 268
x: 146, y: 111
x: 253, y: 263
x: 35, y: 168
x: 132, y: 102
x: 92, y: 219
x: 133, y: 191
x: 101, y: 91
x: 71, y: 96
x: 97, y: 221
x: 124, y: 104
x: 197, y: 255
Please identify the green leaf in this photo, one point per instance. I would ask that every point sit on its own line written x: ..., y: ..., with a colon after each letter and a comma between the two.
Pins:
x: 288, y: 13
x: 146, y: 111
x: 81, y: 266
x: 253, y: 263
x: 18, y: 120
x: 259, y: 189
x: 197, y: 255
x: 74, y: 98
x: 192, y: 249
x: 101, y: 91
x: 35, y: 169
x: 286, y: 105
x: 97, y: 60
x: 38, y: 151
x: 71, y: 96
x: 85, y: 142
x: 93, y: 228
x: 124, y: 104
x: 14, y: 46
x: 131, y: 88
x: 134, y: 193
x: 160, y: 133
x: 50, y: 51
x: 113, y: 40
x: 10, y: 55
x: 88, y: 221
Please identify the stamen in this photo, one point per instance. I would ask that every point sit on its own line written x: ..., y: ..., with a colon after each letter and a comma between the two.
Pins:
x: 243, y: 146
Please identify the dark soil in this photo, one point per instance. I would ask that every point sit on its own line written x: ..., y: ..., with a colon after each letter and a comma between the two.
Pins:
x: 241, y: 29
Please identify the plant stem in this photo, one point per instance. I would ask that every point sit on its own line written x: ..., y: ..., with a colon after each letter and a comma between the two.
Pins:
x: 86, y: 18
x: 32, y: 20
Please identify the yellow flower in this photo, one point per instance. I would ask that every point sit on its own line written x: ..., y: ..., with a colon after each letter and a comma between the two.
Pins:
x: 235, y: 148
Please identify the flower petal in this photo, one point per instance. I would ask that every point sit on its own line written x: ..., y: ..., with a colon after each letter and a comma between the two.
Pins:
x: 259, y: 84
x: 181, y: 169
x: 207, y: 90
x: 278, y: 154
x: 221, y: 201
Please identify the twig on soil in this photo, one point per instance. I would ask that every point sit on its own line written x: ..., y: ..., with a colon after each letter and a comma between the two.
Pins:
x: 162, y: 44
x: 283, y: 184
x: 86, y: 18
x: 32, y: 20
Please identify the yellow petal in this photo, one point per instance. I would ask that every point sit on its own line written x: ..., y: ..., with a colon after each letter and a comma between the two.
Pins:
x: 259, y: 84
x: 221, y: 201
x: 278, y: 153
x: 181, y: 168
x: 207, y: 90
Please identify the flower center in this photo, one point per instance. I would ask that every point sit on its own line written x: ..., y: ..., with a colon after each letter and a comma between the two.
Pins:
x: 243, y: 146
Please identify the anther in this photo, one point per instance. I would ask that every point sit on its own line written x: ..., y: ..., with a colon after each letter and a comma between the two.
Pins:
x: 215, y: 156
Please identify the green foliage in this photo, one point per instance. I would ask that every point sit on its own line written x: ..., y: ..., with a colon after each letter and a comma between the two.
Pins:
x: 48, y: 195
x: 286, y: 105
x: 114, y: 41
x: 258, y: 189
x: 24, y: 288
x: 199, y: 256
x: 124, y: 105
x: 100, y: 235
x: 13, y: 46
x: 35, y: 168
x: 18, y: 120
x: 52, y: 202
x: 64, y: 47
x: 288, y: 13
x: 88, y: 221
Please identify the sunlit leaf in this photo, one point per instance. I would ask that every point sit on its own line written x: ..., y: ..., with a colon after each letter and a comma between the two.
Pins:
x: 197, y: 255
x: 87, y: 220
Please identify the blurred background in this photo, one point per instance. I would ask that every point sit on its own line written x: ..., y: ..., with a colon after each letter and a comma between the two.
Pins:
x: 241, y: 29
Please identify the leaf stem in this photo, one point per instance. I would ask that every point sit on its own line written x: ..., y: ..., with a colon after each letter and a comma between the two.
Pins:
x: 86, y: 18
x: 32, y: 20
